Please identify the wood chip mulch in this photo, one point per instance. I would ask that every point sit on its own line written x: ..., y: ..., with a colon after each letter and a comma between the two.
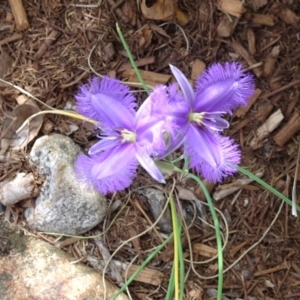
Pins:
x: 50, y: 47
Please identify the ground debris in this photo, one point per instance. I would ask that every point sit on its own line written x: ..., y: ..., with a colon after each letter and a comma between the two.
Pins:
x: 150, y: 78
x: 271, y: 59
x: 14, y: 139
x: 288, y: 130
x: 239, y: 49
x: 260, y: 19
x: 19, y: 14
x: 286, y: 15
x: 37, y: 268
x: 22, y: 187
x: 232, y: 7
x: 265, y: 129
x: 261, y: 35
x: 258, y: 3
x: 227, y: 25
x: 241, y: 111
x: 51, y: 38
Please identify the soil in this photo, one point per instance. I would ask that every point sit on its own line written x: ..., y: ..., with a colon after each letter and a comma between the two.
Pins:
x: 66, y: 44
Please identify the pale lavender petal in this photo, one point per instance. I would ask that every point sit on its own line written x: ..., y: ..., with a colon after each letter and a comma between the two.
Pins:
x: 104, y: 144
x: 114, y: 161
x: 163, y: 117
x: 184, y: 84
x: 167, y: 103
x: 215, y: 121
x: 158, y: 140
x: 214, y: 156
x: 150, y: 136
x: 112, y: 113
x: 148, y: 164
x: 223, y: 88
x: 93, y: 99
x: 200, y: 143
x: 171, y: 144
x: 108, y: 172
x: 82, y: 168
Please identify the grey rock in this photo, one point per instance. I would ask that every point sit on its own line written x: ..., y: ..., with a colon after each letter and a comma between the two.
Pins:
x: 20, y: 188
x: 64, y: 204
x: 31, y: 269
x: 157, y: 201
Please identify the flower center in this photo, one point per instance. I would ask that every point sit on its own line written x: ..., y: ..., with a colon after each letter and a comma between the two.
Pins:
x: 128, y: 136
x: 196, y: 117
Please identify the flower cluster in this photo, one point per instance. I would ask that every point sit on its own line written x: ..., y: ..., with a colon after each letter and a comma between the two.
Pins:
x: 166, y: 120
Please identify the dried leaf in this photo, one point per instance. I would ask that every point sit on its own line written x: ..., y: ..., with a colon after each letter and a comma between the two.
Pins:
x: 147, y: 275
x: 9, y: 137
x: 204, y: 250
x: 271, y: 124
x: 181, y: 17
x: 22, y: 99
x: 162, y: 10
x: 186, y: 194
x: 226, y: 26
x: 203, y: 12
x: 262, y: 19
x: 232, y: 7
x: 197, y: 69
x: 129, y: 10
x: 145, y: 37
x: 151, y: 78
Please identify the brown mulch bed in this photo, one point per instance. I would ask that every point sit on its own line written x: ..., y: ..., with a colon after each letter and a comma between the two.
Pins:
x: 65, y: 44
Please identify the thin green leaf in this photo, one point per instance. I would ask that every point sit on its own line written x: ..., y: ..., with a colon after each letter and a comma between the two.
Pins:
x: 138, y: 74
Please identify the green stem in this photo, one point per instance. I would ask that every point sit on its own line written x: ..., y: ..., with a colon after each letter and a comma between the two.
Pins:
x: 170, y: 290
x: 177, y: 242
x: 181, y: 265
x: 136, y: 70
x: 218, y: 234
x: 141, y: 267
x: 266, y: 186
x: 217, y: 230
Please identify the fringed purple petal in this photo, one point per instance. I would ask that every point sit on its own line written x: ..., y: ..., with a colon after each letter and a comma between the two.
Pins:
x: 148, y: 164
x: 223, y: 88
x: 106, y: 100
x: 112, y: 113
x: 214, y: 156
x: 83, y: 166
x: 114, y: 161
x: 184, y: 84
x: 199, y: 143
x: 109, y: 171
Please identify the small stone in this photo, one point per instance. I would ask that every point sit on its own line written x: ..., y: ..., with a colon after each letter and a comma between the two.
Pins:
x: 64, y: 204
x: 157, y: 200
x: 20, y: 188
x: 246, y: 274
x: 33, y: 269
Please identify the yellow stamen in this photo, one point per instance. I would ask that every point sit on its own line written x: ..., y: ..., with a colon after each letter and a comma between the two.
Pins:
x: 196, y: 117
x: 128, y: 136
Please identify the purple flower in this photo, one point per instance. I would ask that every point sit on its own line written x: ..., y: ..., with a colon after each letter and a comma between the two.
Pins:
x: 218, y: 91
x: 128, y: 137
